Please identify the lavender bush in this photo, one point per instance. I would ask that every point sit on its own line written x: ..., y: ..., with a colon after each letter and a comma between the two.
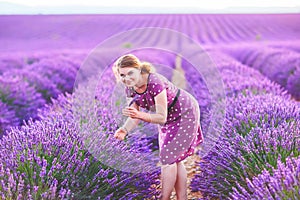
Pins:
x: 41, y: 84
x: 50, y: 76
x: 258, y: 130
x: 58, y: 71
x: 28, y: 81
x: 293, y: 84
x: 239, y: 78
x: 11, y: 61
x: 277, y: 64
x: 20, y: 97
x: 7, y: 118
x: 281, y: 183
x: 20, y: 60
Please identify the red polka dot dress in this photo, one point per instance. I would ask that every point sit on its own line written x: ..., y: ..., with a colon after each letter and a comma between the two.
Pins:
x: 179, y: 136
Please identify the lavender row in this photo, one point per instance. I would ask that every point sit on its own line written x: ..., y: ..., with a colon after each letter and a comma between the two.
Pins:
x: 239, y: 78
x: 293, y: 45
x: 262, y: 129
x: 281, y: 183
x: 20, y: 99
x: 50, y: 158
x: 19, y: 60
x: 87, y: 31
x: 261, y: 125
x: 278, y: 64
x: 27, y: 83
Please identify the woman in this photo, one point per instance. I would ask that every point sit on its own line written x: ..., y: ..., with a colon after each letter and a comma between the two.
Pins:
x: 174, y: 110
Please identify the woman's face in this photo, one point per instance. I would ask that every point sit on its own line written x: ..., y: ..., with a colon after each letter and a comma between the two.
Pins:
x: 130, y: 76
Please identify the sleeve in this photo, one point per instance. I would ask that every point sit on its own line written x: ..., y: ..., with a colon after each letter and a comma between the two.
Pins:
x: 156, y: 85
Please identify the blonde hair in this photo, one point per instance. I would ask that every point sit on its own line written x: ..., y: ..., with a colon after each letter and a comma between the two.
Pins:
x: 130, y: 60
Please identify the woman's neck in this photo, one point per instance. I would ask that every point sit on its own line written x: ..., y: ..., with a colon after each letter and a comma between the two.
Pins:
x: 143, y: 81
x: 142, y: 84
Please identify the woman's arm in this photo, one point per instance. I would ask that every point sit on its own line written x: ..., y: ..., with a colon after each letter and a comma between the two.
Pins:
x: 131, y: 123
x: 128, y: 125
x: 159, y: 117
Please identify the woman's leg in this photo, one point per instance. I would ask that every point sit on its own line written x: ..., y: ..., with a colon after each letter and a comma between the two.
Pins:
x: 169, y: 175
x: 181, y: 182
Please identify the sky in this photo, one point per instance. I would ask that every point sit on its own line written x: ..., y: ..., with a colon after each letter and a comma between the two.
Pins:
x: 40, y: 6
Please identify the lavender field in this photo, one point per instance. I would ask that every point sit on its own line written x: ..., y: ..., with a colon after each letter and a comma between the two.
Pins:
x: 44, y: 108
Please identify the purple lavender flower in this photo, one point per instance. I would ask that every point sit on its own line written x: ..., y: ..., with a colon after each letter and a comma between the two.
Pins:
x: 281, y: 183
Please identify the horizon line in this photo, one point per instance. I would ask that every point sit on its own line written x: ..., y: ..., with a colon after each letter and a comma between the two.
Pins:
x: 17, y: 9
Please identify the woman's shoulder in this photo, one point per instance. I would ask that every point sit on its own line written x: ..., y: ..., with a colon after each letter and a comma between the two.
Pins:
x: 156, y: 77
x: 156, y: 84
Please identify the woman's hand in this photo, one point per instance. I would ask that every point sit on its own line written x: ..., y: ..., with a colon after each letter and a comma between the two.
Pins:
x: 131, y: 112
x: 120, y: 134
